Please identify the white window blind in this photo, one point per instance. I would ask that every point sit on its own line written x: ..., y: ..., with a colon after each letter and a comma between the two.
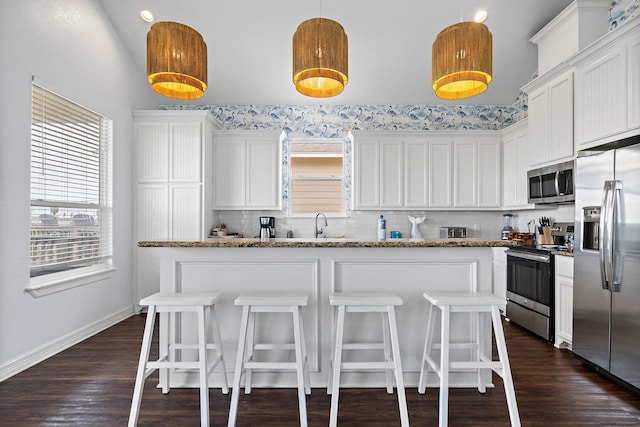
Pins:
x: 71, y: 218
x: 316, y: 178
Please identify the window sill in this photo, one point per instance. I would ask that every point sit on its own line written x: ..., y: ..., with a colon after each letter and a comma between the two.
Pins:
x: 47, y: 285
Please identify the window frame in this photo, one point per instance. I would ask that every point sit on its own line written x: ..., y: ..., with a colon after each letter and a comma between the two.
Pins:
x: 102, y: 266
x: 345, y: 179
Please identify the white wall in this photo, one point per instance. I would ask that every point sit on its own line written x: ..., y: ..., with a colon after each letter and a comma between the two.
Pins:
x: 71, y: 45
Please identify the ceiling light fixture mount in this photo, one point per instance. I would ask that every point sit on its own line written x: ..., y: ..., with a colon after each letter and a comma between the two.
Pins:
x: 176, y: 60
x: 462, y: 60
x: 320, y: 58
x: 146, y: 15
x: 480, y: 16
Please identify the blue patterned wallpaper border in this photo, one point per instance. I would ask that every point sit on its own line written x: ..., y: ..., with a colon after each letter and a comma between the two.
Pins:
x: 336, y: 121
x: 621, y: 11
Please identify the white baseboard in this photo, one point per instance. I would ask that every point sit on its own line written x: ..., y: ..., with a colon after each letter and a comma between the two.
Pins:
x: 37, y: 355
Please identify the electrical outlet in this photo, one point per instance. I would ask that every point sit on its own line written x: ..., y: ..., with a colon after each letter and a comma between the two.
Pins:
x: 255, y: 227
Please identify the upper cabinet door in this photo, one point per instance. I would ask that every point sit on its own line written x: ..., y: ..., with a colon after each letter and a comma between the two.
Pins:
x: 601, y: 97
x: 489, y: 176
x: 152, y: 151
x: 465, y: 181
x: 509, y: 168
x: 551, y: 121
x: 262, y: 175
x: 561, y: 143
x: 186, y: 152
x: 366, y: 174
x: 477, y: 179
x: 247, y: 171
x: 378, y: 173
x: 633, y: 81
x: 539, y: 125
x: 416, y: 174
x: 391, y: 174
x: 440, y: 173
x: 515, y: 165
x: 230, y: 172
x: 607, y: 106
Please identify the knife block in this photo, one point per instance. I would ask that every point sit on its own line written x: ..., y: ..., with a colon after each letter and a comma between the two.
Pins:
x: 545, y: 238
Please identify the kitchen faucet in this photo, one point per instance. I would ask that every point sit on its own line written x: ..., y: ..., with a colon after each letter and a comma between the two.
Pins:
x: 316, y: 231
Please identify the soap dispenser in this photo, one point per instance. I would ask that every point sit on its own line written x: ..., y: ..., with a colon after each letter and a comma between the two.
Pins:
x: 382, y: 228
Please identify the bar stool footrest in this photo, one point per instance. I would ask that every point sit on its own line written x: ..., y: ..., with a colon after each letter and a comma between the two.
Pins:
x: 382, y: 366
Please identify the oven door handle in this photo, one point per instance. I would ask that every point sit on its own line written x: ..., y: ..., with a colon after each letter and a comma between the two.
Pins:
x: 529, y: 256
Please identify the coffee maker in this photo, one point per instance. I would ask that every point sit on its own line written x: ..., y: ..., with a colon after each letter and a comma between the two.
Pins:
x: 507, y: 225
x: 268, y: 224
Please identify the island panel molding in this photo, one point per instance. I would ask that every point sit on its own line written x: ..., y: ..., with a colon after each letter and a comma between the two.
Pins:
x: 408, y: 271
x: 234, y: 276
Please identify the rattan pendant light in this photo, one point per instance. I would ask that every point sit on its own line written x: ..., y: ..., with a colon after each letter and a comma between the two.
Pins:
x: 176, y: 60
x: 320, y: 58
x: 462, y: 60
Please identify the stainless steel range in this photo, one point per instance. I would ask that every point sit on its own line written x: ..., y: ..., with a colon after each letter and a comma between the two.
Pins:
x: 530, y: 283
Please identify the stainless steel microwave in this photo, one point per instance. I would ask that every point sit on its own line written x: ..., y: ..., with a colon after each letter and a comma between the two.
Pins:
x: 552, y: 184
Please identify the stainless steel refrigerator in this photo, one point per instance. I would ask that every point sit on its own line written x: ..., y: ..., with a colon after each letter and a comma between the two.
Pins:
x: 606, y: 316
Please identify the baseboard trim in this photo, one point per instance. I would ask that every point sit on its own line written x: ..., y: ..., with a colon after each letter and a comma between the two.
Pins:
x: 37, y: 355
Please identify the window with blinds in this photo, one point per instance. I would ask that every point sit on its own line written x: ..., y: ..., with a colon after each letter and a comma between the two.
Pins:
x: 316, y: 178
x: 70, y: 187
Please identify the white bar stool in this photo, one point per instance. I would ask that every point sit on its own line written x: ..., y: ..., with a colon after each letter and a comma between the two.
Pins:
x: 168, y: 302
x: 270, y: 303
x: 463, y: 302
x: 359, y: 302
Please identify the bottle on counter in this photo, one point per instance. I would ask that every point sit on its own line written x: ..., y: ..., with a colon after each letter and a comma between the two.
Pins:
x: 289, y: 233
x: 382, y: 228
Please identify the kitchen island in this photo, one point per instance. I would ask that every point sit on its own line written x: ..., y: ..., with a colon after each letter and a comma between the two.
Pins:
x: 318, y: 267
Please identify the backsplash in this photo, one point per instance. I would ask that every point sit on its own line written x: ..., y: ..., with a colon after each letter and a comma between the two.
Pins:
x: 363, y: 224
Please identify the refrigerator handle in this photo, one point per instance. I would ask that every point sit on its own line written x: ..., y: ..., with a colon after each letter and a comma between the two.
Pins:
x: 616, y: 270
x: 603, y: 241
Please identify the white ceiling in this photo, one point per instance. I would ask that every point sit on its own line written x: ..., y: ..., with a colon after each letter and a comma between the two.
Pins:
x: 249, y: 45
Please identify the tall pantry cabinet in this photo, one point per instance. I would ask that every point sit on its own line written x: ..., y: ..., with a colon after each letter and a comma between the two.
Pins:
x: 173, y: 195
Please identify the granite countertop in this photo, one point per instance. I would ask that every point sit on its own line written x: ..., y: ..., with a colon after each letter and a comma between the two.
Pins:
x: 563, y: 253
x: 326, y: 243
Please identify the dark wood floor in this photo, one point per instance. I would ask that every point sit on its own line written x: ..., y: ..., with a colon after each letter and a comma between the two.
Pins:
x: 91, y: 385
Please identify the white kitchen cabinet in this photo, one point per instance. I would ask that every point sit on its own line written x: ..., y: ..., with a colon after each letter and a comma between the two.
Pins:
x: 515, y: 165
x: 247, y: 170
x: 564, y: 301
x: 427, y: 170
x: 465, y: 181
x: 173, y: 151
x: 608, y: 88
x: 500, y: 273
x: 489, y: 174
x: 633, y: 82
x: 551, y: 118
x: 417, y: 177
x: 378, y: 172
x: 440, y: 173
x: 477, y: 177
